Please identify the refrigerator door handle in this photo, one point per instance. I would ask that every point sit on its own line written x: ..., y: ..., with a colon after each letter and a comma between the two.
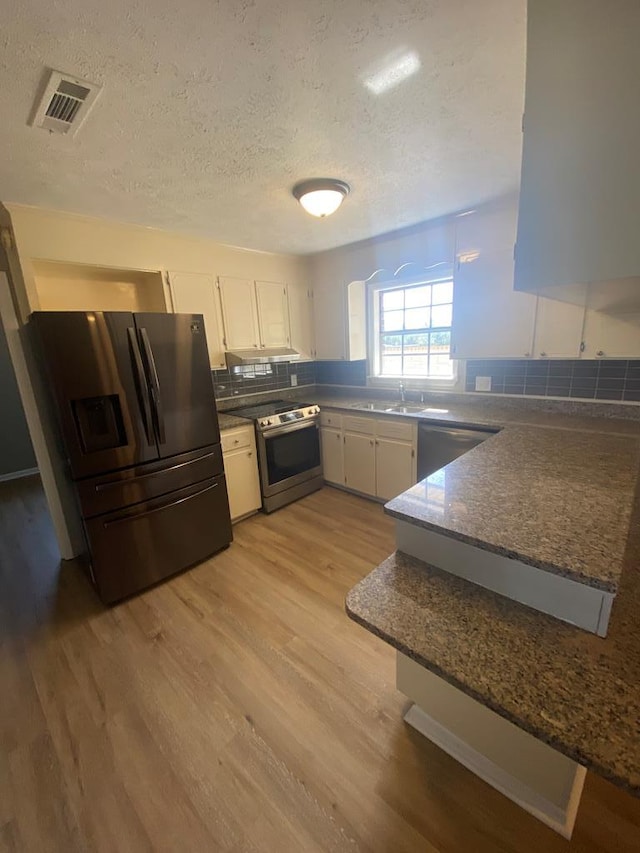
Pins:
x: 155, y: 386
x: 138, y: 515
x: 141, y: 385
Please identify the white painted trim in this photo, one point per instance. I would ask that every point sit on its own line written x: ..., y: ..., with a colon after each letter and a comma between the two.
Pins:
x: 16, y: 475
x: 566, y: 599
x: 560, y: 820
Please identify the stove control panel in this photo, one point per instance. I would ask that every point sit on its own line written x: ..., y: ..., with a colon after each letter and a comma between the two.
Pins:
x: 289, y: 417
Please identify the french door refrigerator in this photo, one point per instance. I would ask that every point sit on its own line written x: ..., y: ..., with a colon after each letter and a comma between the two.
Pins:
x: 138, y: 416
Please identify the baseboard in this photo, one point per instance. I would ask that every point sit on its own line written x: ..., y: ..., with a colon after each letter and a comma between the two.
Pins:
x: 558, y: 819
x: 16, y: 475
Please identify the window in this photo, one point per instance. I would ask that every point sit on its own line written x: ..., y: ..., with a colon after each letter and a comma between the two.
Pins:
x: 412, y: 330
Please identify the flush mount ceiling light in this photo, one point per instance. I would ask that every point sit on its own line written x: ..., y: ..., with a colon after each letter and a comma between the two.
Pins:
x: 321, y: 196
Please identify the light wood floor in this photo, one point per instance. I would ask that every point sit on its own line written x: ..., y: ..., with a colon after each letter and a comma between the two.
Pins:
x: 235, y: 708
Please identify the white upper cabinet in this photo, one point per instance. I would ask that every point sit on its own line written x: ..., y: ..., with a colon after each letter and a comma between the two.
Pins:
x: 239, y: 313
x: 357, y: 321
x: 195, y: 293
x: 580, y: 188
x: 273, y: 314
x: 607, y: 336
x: 559, y: 328
x: 329, y: 311
x: 490, y: 320
x: 340, y: 321
x: 301, y: 320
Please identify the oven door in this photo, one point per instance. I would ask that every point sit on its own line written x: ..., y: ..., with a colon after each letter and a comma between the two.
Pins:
x: 289, y: 455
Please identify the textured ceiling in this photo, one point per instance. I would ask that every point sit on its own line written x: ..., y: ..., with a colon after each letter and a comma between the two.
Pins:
x: 211, y: 111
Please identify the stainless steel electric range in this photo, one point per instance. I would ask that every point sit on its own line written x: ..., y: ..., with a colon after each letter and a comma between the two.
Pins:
x: 288, y: 442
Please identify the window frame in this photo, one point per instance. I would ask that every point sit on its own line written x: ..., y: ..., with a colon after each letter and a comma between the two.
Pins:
x: 375, y: 333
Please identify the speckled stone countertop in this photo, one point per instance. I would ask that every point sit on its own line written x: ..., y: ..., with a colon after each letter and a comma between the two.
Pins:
x: 554, y: 491
x: 571, y: 689
x: 493, y: 415
x: 230, y: 421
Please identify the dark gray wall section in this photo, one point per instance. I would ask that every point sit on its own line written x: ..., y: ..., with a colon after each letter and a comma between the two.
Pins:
x: 16, y: 452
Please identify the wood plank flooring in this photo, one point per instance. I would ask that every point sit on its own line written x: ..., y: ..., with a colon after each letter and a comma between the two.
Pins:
x: 235, y: 708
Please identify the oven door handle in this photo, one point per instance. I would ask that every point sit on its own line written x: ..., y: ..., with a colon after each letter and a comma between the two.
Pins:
x: 286, y: 428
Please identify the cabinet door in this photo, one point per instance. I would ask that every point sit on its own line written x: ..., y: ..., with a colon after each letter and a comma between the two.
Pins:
x: 239, y: 315
x: 332, y: 455
x: 329, y: 311
x: 273, y: 314
x: 611, y: 336
x: 558, y: 329
x: 490, y: 320
x: 301, y: 320
x: 395, y: 467
x: 580, y: 144
x: 360, y: 462
x: 243, y: 484
x: 195, y: 293
x: 357, y: 321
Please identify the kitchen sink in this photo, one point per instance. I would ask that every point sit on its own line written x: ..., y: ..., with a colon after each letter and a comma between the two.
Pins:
x: 369, y: 407
x: 406, y: 410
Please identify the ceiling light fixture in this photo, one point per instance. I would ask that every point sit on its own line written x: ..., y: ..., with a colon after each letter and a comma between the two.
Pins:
x: 321, y: 196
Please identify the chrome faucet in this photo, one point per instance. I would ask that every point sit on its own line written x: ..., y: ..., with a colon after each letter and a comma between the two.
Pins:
x: 401, y: 391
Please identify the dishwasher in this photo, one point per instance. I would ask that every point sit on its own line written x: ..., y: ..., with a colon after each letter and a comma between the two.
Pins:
x: 439, y: 445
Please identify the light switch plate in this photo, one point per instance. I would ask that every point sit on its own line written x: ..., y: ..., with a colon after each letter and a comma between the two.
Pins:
x: 294, y: 379
x: 483, y: 383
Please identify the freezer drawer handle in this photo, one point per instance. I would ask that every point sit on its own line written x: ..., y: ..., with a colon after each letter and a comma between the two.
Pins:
x: 101, y: 486
x: 141, y: 385
x: 155, y: 385
x: 158, y: 508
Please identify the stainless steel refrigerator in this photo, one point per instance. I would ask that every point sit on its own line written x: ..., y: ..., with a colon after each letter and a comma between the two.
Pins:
x: 138, y: 417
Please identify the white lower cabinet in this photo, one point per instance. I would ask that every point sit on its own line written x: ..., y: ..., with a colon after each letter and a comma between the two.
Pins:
x: 332, y: 455
x: 360, y: 462
x: 395, y: 467
x: 241, y: 470
x: 373, y: 456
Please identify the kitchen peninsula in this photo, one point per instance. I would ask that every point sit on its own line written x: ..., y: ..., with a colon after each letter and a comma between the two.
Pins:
x: 525, y: 700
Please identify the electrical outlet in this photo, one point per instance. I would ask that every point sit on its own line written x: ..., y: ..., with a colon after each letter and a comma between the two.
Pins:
x: 483, y: 383
x: 294, y: 379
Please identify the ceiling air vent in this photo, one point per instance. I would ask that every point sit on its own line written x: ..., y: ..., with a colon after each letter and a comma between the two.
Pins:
x: 65, y: 103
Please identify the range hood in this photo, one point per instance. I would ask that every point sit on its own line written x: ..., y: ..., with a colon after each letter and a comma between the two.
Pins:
x: 274, y: 355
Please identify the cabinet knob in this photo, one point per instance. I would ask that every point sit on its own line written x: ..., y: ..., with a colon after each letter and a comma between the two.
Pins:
x: 338, y: 436
x: 371, y: 443
x: 250, y: 453
x: 527, y: 355
x: 600, y: 353
x: 236, y: 441
x: 543, y: 355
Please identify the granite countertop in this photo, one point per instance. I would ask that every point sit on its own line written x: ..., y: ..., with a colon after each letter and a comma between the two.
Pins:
x: 231, y: 421
x: 550, y: 498
x: 493, y: 415
x: 571, y: 689
x: 554, y: 491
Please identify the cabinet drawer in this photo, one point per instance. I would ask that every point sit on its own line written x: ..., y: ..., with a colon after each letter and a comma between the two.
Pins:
x: 235, y: 439
x: 332, y: 419
x: 356, y: 424
x: 390, y: 428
